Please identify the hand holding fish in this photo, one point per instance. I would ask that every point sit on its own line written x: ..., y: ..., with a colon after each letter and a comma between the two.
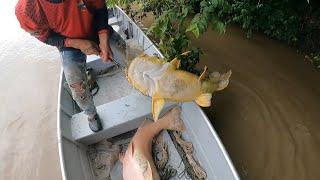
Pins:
x: 106, y: 53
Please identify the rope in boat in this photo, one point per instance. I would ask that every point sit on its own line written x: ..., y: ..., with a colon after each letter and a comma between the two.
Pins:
x: 160, y: 149
x: 102, y: 156
x: 192, y: 169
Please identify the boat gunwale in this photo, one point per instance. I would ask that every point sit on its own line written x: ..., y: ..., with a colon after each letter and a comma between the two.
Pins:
x: 145, y: 36
x: 219, y: 142
x: 60, y: 145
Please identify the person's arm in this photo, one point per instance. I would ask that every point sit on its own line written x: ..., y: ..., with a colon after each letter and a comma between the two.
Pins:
x: 86, y: 46
x: 100, y: 12
x: 104, y: 30
x: 55, y: 39
x: 32, y: 20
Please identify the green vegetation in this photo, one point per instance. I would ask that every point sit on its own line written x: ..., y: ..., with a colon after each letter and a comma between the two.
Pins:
x: 175, y: 21
x: 296, y: 22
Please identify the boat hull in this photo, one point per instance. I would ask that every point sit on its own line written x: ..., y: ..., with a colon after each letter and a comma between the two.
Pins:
x: 74, y: 162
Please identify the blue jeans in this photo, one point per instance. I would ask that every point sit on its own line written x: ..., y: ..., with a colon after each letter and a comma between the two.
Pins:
x: 74, y: 68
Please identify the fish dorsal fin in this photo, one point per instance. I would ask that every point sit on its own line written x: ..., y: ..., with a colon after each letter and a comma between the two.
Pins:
x: 204, y: 100
x: 175, y: 63
x: 203, y: 74
x: 185, y: 53
x: 157, y: 105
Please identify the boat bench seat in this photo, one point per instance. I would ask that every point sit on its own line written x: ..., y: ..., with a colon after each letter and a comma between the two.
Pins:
x: 113, y: 21
x: 117, y: 117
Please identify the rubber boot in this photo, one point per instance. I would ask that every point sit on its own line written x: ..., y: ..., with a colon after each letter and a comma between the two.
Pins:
x: 95, y: 123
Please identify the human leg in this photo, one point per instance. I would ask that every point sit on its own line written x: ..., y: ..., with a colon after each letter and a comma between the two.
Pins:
x: 74, y: 68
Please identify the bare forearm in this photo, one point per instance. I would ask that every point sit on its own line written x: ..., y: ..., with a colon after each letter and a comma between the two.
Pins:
x: 74, y: 43
x: 86, y: 46
x: 106, y: 52
x: 104, y: 36
x: 55, y: 39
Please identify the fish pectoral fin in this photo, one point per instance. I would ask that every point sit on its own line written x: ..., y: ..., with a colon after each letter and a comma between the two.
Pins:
x: 203, y: 74
x: 157, y: 105
x: 175, y: 63
x: 204, y: 100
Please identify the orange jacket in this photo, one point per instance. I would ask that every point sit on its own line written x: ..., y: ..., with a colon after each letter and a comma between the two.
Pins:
x: 51, y: 21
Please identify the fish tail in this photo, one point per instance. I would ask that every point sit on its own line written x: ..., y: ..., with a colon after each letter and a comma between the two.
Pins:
x: 216, y: 82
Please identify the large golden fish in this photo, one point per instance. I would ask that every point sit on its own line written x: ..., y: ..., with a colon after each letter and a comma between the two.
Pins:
x: 164, y: 82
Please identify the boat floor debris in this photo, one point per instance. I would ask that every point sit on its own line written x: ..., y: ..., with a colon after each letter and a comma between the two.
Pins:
x: 167, y: 158
x: 193, y: 167
x: 103, y: 156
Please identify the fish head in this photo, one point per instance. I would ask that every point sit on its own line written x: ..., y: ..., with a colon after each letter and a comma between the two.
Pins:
x: 141, y: 71
x: 216, y: 82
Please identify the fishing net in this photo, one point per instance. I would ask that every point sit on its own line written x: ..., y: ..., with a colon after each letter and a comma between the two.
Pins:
x: 161, y: 156
x: 103, y: 156
x: 193, y: 170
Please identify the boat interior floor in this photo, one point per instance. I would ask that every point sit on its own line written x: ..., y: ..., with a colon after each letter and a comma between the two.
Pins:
x: 121, y: 109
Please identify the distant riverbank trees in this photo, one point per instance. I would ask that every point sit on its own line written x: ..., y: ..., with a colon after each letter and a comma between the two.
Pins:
x: 296, y: 22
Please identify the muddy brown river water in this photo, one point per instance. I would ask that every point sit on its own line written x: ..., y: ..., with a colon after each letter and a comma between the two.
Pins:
x: 268, y: 117
x: 29, y: 74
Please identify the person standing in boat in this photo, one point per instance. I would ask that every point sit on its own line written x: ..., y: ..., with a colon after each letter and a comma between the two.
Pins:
x: 75, y: 27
